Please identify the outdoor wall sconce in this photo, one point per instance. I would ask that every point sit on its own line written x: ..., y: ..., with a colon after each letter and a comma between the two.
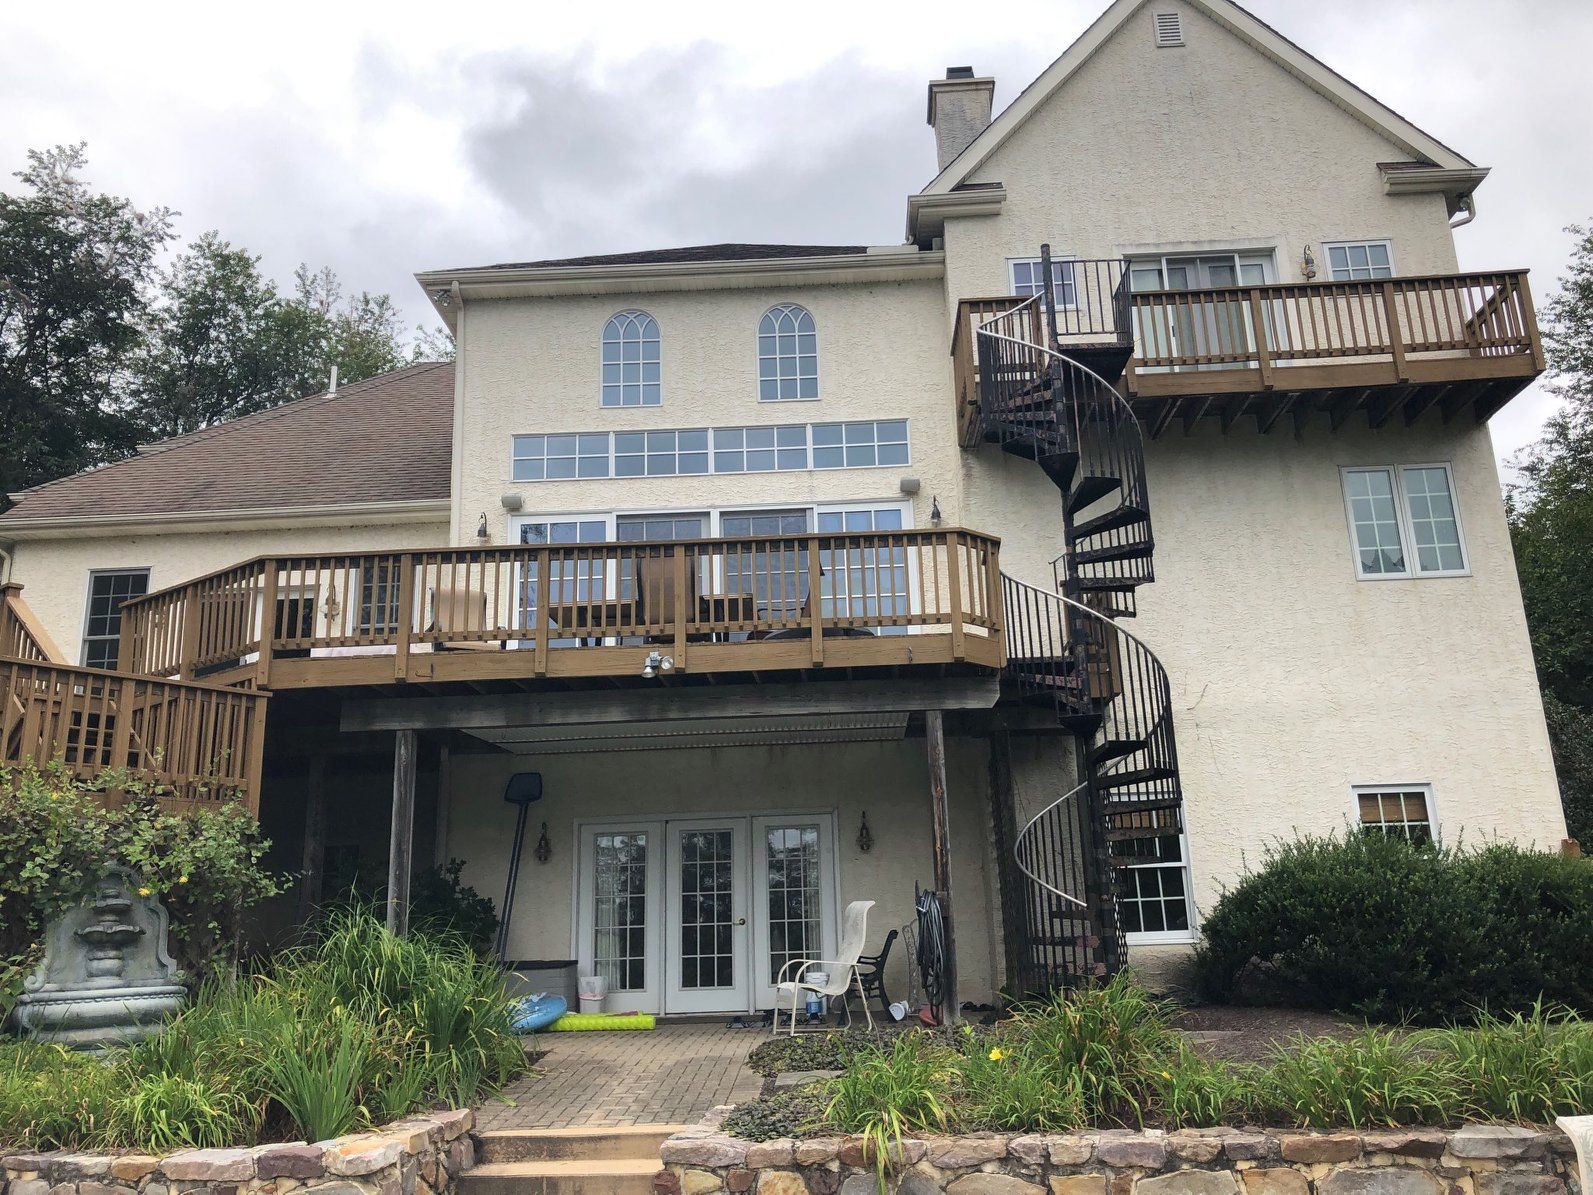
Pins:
x: 934, y: 511
x: 655, y: 663
x: 865, y: 836
x: 544, y: 850
x: 481, y: 527
x: 1308, y: 264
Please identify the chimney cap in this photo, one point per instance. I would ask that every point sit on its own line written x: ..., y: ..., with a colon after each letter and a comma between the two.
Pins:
x: 959, y: 72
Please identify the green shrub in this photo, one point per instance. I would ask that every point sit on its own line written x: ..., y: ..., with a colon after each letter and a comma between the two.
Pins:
x: 352, y: 1029
x: 57, y: 838
x: 1375, y: 926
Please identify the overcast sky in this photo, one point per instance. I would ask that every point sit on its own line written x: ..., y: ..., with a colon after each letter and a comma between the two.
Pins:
x: 381, y: 140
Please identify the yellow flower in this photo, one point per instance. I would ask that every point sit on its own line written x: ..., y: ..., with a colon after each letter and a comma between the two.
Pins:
x: 182, y: 879
x: 995, y: 1055
x: 143, y: 891
x: 1165, y: 1075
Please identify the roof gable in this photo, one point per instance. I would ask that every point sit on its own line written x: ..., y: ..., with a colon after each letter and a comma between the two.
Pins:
x: 1243, y: 25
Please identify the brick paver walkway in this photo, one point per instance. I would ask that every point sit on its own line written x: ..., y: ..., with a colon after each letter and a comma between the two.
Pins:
x: 669, y: 1075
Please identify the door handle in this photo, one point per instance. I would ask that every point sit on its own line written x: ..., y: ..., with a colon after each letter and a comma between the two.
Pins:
x: 741, y: 921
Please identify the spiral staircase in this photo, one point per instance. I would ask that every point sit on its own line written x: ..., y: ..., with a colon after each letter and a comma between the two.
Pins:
x: 1067, y: 653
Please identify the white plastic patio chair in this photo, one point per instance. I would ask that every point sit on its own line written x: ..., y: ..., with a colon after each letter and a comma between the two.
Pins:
x: 840, y: 974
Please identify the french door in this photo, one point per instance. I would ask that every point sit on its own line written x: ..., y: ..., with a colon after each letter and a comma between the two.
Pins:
x: 700, y: 914
x: 1205, y: 327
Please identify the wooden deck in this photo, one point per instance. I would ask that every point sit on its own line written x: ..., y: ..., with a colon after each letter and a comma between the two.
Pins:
x: 462, y: 616
x: 200, y: 745
x: 1395, y: 348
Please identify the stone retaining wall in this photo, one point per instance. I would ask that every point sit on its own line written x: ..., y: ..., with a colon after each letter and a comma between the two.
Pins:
x: 1476, y: 1160
x: 420, y: 1155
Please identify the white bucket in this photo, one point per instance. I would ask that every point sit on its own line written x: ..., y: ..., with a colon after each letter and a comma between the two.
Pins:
x: 592, y: 989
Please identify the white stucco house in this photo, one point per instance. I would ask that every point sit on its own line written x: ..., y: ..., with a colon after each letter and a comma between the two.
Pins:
x: 1059, y: 581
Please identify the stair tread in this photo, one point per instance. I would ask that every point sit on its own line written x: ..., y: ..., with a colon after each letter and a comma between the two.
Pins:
x: 583, y: 1130
x: 1119, y: 808
x: 1134, y: 776
x: 1112, y: 552
x: 605, y: 1167
x: 1124, y: 516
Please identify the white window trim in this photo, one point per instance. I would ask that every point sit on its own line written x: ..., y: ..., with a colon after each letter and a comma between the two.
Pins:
x: 1357, y: 791
x: 1057, y: 259
x: 1402, y: 517
x: 1174, y: 937
x: 1341, y: 242
x: 88, y: 603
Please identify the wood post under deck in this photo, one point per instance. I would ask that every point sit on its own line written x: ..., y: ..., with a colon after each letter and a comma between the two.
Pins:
x: 935, y: 740
x: 314, y: 858
x: 401, y: 848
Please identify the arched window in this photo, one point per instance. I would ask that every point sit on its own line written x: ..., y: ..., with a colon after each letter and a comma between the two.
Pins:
x: 631, y: 362
x: 788, y: 354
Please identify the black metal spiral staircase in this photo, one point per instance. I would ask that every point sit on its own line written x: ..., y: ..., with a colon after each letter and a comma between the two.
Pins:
x: 1068, y: 655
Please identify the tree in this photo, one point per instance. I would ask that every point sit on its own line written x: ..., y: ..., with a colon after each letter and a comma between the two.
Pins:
x: 75, y: 272
x: 226, y: 343
x: 1551, y: 526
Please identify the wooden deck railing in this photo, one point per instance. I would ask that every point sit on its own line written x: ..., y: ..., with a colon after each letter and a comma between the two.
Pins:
x: 22, y: 636
x: 1397, y: 320
x: 199, y: 745
x: 922, y: 596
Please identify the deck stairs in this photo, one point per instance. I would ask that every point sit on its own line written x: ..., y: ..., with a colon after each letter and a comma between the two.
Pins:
x: 596, y: 1160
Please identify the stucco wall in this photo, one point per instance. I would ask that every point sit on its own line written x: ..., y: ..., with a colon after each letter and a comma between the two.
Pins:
x: 531, y: 366
x: 54, y: 573
x: 1210, y: 142
x: 889, y: 779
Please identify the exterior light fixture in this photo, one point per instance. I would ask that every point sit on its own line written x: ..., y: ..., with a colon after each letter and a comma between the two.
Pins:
x: 512, y: 502
x: 481, y: 527
x: 865, y: 836
x: 544, y: 849
x: 910, y: 485
x: 656, y: 663
x: 1308, y: 264
x: 934, y: 511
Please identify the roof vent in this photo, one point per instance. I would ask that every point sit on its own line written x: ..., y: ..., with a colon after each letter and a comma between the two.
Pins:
x: 1169, y: 30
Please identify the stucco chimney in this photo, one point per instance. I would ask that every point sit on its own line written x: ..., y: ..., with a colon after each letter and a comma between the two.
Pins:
x: 959, y: 110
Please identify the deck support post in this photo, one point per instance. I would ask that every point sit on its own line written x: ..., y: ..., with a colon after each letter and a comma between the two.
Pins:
x: 313, y: 862
x: 401, y: 847
x: 1015, y: 920
x: 935, y: 741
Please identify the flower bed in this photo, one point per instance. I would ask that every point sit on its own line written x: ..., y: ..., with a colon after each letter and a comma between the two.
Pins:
x: 420, y: 1155
x: 1474, y: 1160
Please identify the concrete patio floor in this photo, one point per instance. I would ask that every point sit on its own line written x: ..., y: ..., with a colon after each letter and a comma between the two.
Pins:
x: 668, y: 1075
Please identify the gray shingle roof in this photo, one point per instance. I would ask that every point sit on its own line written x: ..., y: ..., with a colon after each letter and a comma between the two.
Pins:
x: 388, y: 438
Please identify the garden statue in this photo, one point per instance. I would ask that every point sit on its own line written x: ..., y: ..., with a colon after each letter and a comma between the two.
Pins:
x: 106, y: 978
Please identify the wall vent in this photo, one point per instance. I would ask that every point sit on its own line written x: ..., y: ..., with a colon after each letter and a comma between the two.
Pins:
x: 1169, y: 29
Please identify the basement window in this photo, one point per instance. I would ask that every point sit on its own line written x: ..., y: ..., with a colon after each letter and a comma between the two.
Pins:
x: 1169, y: 30
x: 1401, y: 811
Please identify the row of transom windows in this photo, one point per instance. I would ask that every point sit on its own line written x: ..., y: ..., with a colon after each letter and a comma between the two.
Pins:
x: 633, y: 362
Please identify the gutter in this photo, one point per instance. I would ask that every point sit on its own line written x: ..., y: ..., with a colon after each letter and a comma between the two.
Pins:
x: 429, y: 509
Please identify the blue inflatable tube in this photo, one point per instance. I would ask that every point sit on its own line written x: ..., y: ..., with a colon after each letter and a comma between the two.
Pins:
x: 537, y: 1011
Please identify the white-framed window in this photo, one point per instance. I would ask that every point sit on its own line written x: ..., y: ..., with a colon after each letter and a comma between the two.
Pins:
x: 1358, y: 261
x: 1400, y: 810
x: 1153, y: 899
x: 788, y: 354
x: 1404, y: 521
x: 1027, y: 273
x: 632, y: 362
x: 672, y: 452
x: 102, y: 616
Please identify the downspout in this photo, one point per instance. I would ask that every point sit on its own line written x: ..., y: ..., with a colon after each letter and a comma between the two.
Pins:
x: 1468, y: 211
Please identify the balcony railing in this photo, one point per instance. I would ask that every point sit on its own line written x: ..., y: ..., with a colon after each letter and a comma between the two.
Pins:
x: 1443, y: 328
x: 196, y: 744
x: 849, y: 599
x: 21, y: 635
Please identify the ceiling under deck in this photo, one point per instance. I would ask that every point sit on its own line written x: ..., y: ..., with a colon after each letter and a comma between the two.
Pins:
x: 685, y: 733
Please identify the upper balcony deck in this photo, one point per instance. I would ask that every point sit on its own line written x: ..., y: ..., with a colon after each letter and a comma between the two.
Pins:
x: 686, y: 609
x: 1391, y: 347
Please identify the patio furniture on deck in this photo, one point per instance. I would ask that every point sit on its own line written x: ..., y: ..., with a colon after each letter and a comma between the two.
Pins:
x: 841, y: 975
x: 454, y: 610
x: 871, y: 971
x: 655, y: 583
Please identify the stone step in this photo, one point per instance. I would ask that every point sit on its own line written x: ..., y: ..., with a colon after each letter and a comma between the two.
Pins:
x: 565, y: 1176
x: 634, y: 1142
